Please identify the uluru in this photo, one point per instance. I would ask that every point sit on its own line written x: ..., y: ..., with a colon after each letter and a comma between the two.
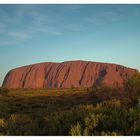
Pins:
x: 67, y: 74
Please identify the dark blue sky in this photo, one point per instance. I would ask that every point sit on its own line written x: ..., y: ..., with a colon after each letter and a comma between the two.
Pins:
x: 37, y: 33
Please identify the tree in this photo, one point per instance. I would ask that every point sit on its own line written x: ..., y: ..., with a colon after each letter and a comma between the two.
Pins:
x: 132, y: 88
x: 133, y: 84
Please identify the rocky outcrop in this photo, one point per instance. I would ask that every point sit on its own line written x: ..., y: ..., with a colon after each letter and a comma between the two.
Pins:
x: 67, y: 74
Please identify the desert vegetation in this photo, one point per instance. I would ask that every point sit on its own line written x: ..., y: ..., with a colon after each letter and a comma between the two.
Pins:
x: 100, y: 111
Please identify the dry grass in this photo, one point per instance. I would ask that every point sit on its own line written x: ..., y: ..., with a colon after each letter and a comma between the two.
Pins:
x: 37, y: 102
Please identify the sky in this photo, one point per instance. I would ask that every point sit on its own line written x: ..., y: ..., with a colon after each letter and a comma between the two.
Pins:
x: 56, y: 33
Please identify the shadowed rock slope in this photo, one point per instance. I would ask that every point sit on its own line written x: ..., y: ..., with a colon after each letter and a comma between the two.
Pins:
x: 67, y: 74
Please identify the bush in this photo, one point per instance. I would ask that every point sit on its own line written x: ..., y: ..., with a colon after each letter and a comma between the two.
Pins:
x: 114, y: 133
x: 133, y: 84
x: 76, y: 130
x: 18, y: 124
x: 86, y: 127
x: 91, y: 121
x: 132, y: 88
x: 102, y: 93
x: 113, y: 115
x: 59, y: 123
x: 114, y: 103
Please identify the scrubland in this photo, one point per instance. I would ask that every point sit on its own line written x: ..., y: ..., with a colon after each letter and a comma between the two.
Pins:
x: 100, y: 111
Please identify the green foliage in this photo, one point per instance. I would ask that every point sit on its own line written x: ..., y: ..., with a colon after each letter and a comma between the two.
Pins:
x: 109, y: 133
x: 132, y: 88
x: 133, y: 84
x: 114, y: 103
x: 90, y: 124
x: 139, y: 101
x: 87, y: 126
x: 91, y: 121
x: 2, y: 125
x: 18, y: 125
x: 102, y: 93
x: 59, y: 123
x: 136, y: 128
x: 76, y: 130
x: 97, y: 111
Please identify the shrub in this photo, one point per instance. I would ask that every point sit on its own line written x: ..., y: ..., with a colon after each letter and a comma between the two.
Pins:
x: 86, y: 127
x: 133, y: 84
x: 2, y: 122
x: 59, y: 123
x: 136, y: 128
x: 103, y: 93
x: 2, y: 126
x: 138, y: 101
x: 112, y: 116
x: 91, y: 121
x: 76, y: 130
x: 114, y: 103
x: 114, y: 133
x: 18, y: 124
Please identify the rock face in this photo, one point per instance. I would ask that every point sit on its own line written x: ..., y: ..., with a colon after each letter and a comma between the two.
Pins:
x: 67, y: 74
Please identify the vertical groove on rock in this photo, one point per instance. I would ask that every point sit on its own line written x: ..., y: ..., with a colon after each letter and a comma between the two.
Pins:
x: 101, y: 76
x: 66, y: 76
x: 24, y: 80
x: 47, y: 73
x: 60, y: 68
x: 53, y: 75
x: 83, y: 73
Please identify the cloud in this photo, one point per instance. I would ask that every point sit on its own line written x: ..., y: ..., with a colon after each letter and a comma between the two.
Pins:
x: 27, y: 21
x: 105, y: 16
x: 20, y: 35
x: 94, y: 20
x: 24, y: 22
x: 111, y: 16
